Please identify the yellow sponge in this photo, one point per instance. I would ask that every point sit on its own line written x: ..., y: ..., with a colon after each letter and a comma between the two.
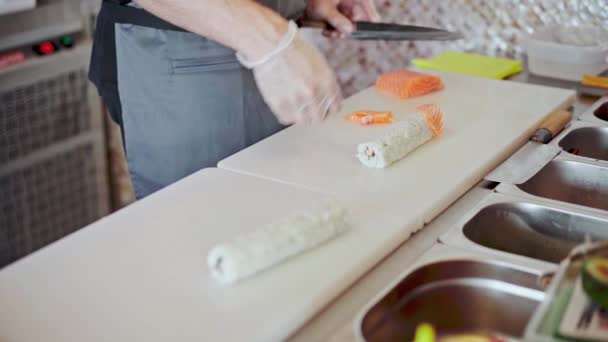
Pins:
x: 471, y: 64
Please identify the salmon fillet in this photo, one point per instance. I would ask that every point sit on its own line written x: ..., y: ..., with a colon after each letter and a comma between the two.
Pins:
x: 370, y: 117
x: 405, y: 84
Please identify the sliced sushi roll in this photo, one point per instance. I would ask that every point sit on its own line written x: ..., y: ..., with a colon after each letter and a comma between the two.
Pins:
x: 405, y: 137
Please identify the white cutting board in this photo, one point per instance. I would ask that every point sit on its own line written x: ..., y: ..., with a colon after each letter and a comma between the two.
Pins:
x: 140, y: 274
x: 485, y: 122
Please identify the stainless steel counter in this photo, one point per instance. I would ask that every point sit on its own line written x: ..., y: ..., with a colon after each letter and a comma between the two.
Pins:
x: 583, y: 102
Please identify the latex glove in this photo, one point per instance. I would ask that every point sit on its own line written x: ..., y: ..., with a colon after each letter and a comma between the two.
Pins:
x: 341, y: 14
x: 296, y: 82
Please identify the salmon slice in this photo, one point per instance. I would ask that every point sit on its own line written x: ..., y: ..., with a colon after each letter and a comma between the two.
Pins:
x: 405, y: 84
x: 370, y: 117
x: 433, y: 116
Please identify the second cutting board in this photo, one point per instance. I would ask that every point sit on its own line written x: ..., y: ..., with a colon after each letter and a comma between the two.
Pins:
x: 485, y: 122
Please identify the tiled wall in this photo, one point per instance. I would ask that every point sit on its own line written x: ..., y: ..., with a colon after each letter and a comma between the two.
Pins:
x: 493, y: 27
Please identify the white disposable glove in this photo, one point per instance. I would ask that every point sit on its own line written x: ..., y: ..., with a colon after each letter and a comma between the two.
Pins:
x: 295, y: 81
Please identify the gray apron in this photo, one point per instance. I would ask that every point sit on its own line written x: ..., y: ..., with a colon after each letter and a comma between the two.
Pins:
x: 186, y: 102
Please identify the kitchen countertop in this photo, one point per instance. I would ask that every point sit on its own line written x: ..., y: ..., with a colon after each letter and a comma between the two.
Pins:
x: 141, y: 273
x: 582, y: 101
x: 336, y: 321
x: 343, y: 310
x: 324, y: 326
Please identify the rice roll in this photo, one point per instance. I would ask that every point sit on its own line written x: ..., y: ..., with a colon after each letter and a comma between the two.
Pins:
x: 258, y: 250
x: 403, y: 138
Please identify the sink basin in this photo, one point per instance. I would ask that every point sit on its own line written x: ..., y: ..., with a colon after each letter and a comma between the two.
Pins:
x: 572, y: 182
x: 455, y: 296
x: 533, y: 230
x: 591, y: 142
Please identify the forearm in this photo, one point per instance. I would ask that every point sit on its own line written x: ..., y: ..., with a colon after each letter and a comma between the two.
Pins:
x: 243, y: 25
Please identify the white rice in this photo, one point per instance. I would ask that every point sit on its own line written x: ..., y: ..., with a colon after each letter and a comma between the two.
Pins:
x: 251, y: 253
x: 402, y: 139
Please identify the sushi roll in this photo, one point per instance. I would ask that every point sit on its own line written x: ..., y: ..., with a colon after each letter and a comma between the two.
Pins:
x: 258, y: 250
x: 403, y: 138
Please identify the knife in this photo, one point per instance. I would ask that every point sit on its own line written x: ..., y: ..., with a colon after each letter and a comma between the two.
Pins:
x: 365, y: 30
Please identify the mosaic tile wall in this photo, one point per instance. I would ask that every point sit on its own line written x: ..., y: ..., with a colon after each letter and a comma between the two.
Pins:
x: 492, y: 27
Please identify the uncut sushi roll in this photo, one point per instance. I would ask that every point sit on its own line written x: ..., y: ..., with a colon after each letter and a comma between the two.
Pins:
x: 403, y: 138
x: 258, y: 250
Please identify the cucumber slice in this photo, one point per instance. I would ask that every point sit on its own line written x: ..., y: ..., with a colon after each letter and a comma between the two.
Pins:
x: 595, y: 280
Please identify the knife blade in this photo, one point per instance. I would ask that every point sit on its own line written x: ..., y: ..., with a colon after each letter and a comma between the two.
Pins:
x: 365, y: 30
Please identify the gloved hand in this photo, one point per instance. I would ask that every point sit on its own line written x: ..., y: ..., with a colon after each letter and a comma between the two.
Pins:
x: 295, y: 81
x: 341, y: 13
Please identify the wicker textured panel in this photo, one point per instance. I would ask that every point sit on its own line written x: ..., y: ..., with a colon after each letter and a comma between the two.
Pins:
x: 493, y: 27
x: 47, y: 201
x: 40, y: 114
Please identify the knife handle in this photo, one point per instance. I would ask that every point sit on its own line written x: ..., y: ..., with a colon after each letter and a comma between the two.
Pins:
x: 551, y: 126
x: 310, y: 23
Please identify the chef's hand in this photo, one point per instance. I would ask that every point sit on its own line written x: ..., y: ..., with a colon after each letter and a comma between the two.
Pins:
x: 341, y: 14
x: 296, y: 82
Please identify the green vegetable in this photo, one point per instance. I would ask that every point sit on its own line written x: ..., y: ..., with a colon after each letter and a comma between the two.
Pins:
x: 595, y: 280
x: 425, y: 333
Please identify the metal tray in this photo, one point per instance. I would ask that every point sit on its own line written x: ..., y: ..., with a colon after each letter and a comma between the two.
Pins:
x: 456, y: 291
x: 529, y: 227
x: 590, y: 117
x: 584, y: 140
x: 566, y: 180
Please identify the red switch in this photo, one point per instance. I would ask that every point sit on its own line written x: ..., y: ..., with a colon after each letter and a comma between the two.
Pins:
x: 45, y: 48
